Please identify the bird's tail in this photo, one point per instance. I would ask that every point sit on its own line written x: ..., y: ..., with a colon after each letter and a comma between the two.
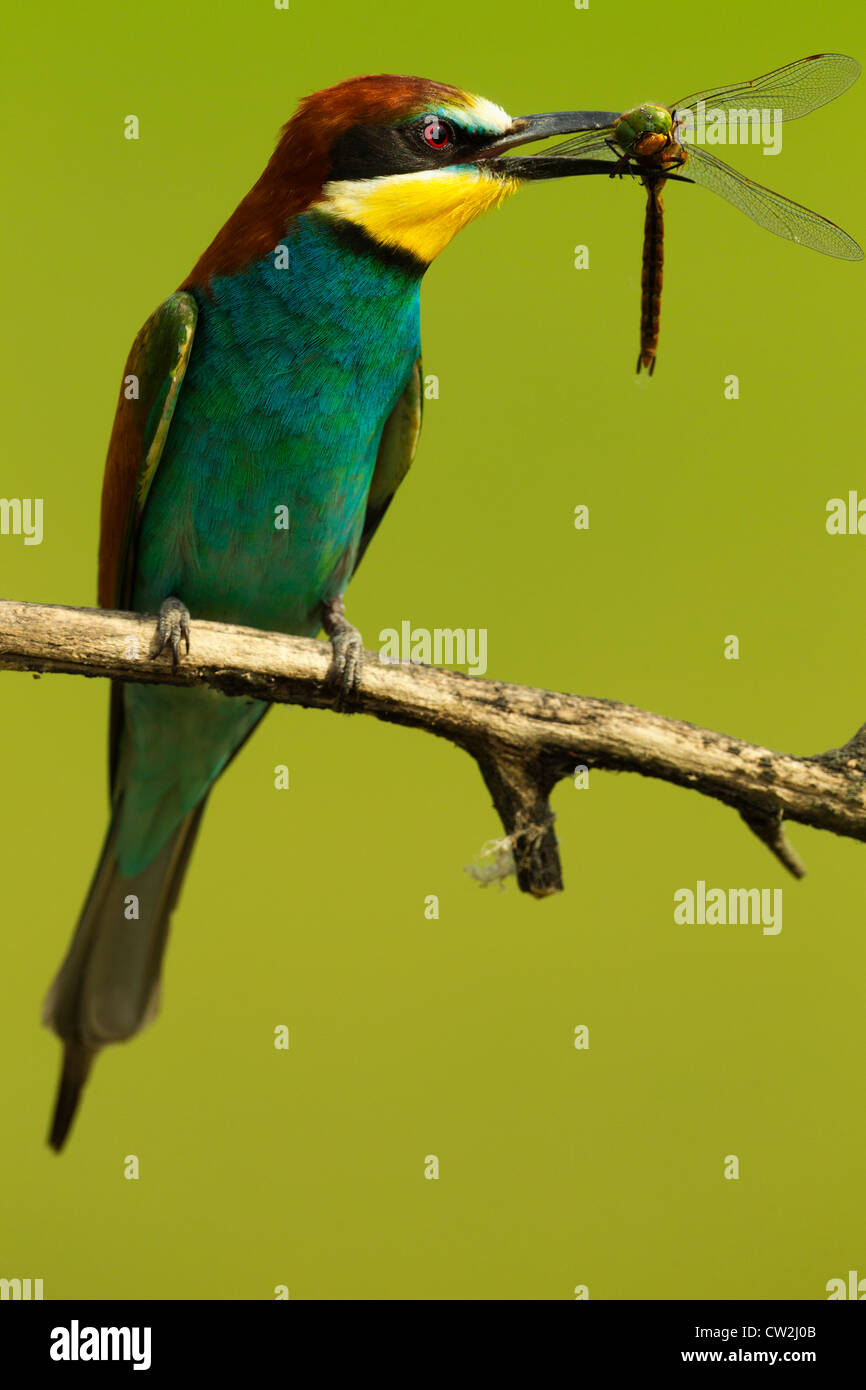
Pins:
x: 107, y: 988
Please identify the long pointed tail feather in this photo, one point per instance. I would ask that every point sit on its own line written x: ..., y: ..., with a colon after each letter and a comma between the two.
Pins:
x: 74, y: 1071
x: 107, y: 988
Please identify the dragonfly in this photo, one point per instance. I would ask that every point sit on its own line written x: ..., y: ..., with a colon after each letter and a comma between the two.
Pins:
x: 652, y: 142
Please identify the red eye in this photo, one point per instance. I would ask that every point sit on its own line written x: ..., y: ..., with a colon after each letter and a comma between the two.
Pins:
x: 438, y: 134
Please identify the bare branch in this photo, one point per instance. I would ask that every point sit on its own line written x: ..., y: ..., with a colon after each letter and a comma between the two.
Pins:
x: 524, y: 740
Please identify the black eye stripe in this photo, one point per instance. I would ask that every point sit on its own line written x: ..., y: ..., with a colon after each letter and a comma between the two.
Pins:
x: 369, y: 152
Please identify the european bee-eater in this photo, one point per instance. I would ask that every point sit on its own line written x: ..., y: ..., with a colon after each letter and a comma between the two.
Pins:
x: 284, y: 372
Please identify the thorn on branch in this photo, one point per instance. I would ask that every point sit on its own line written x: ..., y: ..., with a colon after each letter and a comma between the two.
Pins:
x: 768, y: 826
x: 850, y: 758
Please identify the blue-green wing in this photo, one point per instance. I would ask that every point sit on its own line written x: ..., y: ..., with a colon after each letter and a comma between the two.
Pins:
x: 397, y: 448
x: 152, y: 379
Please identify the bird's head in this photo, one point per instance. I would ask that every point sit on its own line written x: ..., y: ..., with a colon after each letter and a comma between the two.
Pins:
x: 404, y: 161
x: 410, y: 162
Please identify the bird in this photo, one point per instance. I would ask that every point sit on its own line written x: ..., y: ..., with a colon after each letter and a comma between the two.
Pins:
x: 282, y: 379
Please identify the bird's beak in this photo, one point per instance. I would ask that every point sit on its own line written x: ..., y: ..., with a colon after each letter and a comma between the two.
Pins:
x: 526, y: 130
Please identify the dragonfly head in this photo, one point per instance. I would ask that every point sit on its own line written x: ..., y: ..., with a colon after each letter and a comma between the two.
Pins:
x: 644, y: 131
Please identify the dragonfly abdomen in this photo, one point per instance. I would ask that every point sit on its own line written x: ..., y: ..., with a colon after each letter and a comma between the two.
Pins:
x: 652, y: 274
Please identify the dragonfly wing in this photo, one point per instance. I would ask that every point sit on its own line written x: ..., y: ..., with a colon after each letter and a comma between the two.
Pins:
x: 769, y: 209
x: 589, y: 142
x: 795, y: 89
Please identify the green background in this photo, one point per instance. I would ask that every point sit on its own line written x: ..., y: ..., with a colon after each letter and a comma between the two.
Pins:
x: 306, y: 907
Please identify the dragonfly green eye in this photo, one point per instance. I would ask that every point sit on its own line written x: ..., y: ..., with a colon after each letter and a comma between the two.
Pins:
x: 642, y: 120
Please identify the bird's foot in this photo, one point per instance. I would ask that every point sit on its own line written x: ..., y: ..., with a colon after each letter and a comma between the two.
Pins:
x: 347, y: 646
x: 172, y: 628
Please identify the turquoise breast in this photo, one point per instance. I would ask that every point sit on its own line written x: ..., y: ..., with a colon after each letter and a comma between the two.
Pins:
x: 296, y: 365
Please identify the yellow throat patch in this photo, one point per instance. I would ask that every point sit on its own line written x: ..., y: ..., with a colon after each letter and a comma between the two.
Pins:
x: 418, y: 213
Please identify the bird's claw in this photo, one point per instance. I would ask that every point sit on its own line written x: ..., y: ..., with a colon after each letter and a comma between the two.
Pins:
x: 172, y: 628
x: 347, y: 647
